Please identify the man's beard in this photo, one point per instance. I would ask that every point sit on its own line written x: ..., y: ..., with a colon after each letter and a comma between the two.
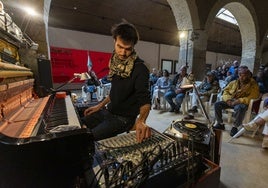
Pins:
x: 246, y: 81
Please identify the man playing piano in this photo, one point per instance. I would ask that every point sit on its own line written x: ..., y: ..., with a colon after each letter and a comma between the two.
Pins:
x: 129, y: 102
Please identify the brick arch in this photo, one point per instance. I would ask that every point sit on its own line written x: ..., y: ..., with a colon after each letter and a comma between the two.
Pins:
x: 245, y: 15
x: 186, y: 16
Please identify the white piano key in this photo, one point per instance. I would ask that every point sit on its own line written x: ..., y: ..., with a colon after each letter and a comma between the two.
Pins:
x: 71, y: 113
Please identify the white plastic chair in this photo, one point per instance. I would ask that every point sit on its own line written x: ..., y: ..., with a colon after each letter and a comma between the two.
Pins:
x: 261, y: 109
x: 212, y: 99
x: 163, y: 102
x: 185, y: 102
x: 247, y: 117
x: 184, y: 105
x: 207, y: 105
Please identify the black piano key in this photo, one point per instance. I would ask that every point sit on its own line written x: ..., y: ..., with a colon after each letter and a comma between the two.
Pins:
x: 57, y: 114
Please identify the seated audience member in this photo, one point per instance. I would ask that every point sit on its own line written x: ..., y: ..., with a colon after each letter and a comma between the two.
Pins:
x: 235, y: 74
x: 228, y: 78
x: 159, y: 73
x: 261, y: 79
x: 225, y: 69
x: 237, y: 95
x: 162, y: 84
x: 219, y: 73
x: 205, y: 89
x: 234, y: 67
x: 265, y: 77
x: 260, y: 120
x: 176, y: 92
x: 214, y: 72
x: 152, y: 79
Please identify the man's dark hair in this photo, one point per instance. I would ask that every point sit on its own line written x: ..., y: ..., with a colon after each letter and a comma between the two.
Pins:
x: 166, y: 71
x: 126, y: 31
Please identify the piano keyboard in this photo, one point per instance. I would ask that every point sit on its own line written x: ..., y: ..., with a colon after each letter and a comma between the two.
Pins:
x: 39, y: 116
x: 71, y: 113
x: 61, y: 113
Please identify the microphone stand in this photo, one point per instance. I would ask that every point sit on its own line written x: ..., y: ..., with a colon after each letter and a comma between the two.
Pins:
x: 64, y: 84
x: 82, y: 76
x: 210, y: 127
x: 201, y: 104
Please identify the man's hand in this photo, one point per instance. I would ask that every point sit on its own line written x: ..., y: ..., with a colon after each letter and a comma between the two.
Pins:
x: 91, y: 110
x: 143, y: 131
x: 235, y: 102
x: 96, y: 108
x: 177, y: 91
x: 232, y: 102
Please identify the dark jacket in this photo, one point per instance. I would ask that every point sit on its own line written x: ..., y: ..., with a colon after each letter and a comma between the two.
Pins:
x: 129, y: 94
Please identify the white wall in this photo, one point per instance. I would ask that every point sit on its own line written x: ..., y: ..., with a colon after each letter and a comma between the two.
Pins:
x: 217, y: 59
x: 151, y: 53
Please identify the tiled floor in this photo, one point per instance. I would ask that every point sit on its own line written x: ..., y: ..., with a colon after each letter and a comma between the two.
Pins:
x: 243, y: 162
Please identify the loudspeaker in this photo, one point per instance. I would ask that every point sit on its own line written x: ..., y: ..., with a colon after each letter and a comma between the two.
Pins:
x: 44, y: 82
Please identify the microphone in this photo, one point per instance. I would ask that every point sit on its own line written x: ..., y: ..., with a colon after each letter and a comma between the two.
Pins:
x: 77, y: 75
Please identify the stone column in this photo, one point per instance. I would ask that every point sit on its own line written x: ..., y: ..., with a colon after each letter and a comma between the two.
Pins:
x: 198, y: 53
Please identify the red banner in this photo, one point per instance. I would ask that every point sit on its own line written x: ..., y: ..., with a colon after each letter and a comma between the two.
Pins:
x: 65, y: 62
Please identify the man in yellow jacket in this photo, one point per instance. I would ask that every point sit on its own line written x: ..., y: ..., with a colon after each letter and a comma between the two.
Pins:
x: 237, y: 95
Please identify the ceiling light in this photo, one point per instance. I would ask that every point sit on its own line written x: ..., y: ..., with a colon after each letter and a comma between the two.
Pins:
x: 30, y: 11
x: 182, y: 35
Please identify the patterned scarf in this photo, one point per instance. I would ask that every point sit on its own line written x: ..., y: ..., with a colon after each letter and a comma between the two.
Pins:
x: 122, y: 68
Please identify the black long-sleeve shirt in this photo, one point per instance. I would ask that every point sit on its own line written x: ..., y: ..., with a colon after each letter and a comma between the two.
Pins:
x: 127, y: 95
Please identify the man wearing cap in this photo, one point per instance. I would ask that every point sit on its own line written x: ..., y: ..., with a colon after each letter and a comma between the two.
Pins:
x: 209, y: 85
x: 260, y: 120
x: 237, y: 95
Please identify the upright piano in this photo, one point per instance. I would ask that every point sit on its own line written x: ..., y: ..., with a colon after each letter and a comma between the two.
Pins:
x: 41, y: 140
x: 42, y: 143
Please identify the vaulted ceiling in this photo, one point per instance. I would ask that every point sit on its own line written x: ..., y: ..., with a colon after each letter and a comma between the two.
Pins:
x: 153, y: 18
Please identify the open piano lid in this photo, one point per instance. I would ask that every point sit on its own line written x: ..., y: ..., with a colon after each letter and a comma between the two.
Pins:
x: 48, y: 160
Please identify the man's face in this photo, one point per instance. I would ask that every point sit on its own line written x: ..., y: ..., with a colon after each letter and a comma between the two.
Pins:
x: 122, y: 48
x: 183, y: 72
x: 244, y: 77
x: 236, y: 63
x: 209, y: 78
